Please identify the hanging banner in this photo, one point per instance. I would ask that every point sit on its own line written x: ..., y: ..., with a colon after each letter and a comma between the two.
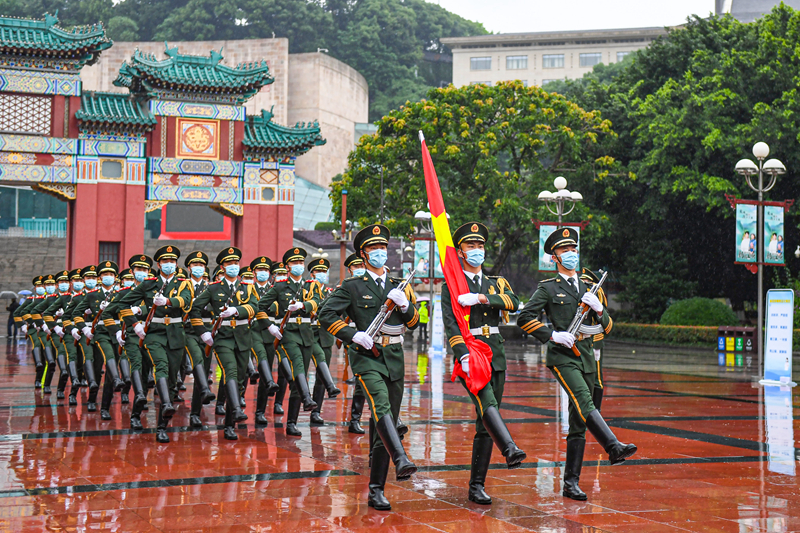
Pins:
x: 746, y: 232
x: 421, y: 260
x: 546, y: 263
x: 773, y: 235
x: 778, y: 338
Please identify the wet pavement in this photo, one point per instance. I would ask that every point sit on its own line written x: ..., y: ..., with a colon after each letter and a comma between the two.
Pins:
x: 716, y: 453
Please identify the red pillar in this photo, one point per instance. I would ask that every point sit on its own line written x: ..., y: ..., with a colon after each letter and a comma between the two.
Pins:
x: 265, y: 230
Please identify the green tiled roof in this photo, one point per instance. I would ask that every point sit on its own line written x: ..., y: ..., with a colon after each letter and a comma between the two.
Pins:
x: 202, y: 75
x: 263, y: 136
x: 114, y: 110
x: 29, y: 37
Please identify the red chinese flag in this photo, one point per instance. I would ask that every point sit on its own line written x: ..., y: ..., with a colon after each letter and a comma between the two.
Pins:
x: 480, y: 355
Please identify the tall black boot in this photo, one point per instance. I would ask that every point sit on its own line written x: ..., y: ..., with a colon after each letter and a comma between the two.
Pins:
x: 377, y: 480
x: 265, y: 373
x: 252, y: 373
x: 277, y: 409
x: 139, y: 393
x: 74, y: 379
x: 105, y: 401
x: 39, y: 375
x: 229, y: 431
x: 49, y: 355
x: 319, y: 397
x: 356, y: 409
x: 167, y: 409
x: 88, y: 370
x: 302, y: 387
x: 497, y: 429
x: 125, y: 370
x: 617, y: 451
x: 197, y: 406
x: 48, y: 377
x: 232, y: 390
x: 572, y: 470
x: 222, y: 399
x: 404, y: 468
x: 597, y: 397
x: 91, y: 399
x: 62, y: 363
x: 113, y: 373
x: 37, y: 357
x: 161, y: 427
x: 481, y: 458
x: 62, y: 384
x: 201, y: 385
x: 291, y: 417
x: 261, y: 403
x: 324, y: 373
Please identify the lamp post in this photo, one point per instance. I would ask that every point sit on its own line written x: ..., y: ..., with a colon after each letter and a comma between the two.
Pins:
x: 560, y: 199
x: 748, y: 169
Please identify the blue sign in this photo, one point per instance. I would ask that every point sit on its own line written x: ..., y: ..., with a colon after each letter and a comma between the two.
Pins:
x: 778, y: 337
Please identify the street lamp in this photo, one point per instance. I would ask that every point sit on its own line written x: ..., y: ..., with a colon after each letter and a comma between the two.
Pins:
x: 749, y: 170
x: 560, y: 199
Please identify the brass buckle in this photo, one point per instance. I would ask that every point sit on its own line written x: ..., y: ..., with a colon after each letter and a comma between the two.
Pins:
x: 233, y: 323
x: 299, y: 320
x: 167, y: 320
x: 485, y: 331
x: 385, y: 340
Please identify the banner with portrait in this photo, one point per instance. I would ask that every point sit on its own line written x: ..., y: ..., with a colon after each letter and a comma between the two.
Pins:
x: 746, y: 232
x: 774, y: 245
x: 421, y: 260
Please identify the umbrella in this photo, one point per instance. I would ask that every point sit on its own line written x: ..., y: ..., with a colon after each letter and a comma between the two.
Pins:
x: 8, y: 295
x: 25, y: 292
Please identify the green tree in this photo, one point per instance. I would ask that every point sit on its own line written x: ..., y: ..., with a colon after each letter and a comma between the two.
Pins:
x: 123, y: 29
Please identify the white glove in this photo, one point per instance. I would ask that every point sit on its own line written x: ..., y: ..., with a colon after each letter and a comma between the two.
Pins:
x: 76, y: 334
x: 592, y: 301
x: 120, y: 340
x: 136, y: 310
x: 362, y: 339
x: 469, y: 299
x: 87, y: 312
x: 596, y: 354
x: 60, y: 312
x: 465, y: 362
x: 87, y: 332
x: 399, y: 297
x: 24, y: 329
x: 37, y: 327
x: 159, y: 300
x: 207, y: 338
x: 276, y: 331
x: 296, y: 306
x: 46, y: 329
x: 59, y: 331
x: 228, y: 312
x: 562, y: 337
x: 139, y: 330
x: 103, y: 305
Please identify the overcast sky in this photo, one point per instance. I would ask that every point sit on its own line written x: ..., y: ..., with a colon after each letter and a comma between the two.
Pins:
x: 513, y: 16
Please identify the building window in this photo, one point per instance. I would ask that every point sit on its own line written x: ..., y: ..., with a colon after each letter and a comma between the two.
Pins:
x: 516, y: 62
x: 111, y: 169
x: 26, y: 114
x: 553, y: 61
x: 480, y: 83
x: 109, y: 251
x: 621, y: 56
x: 590, y: 60
x: 480, y: 63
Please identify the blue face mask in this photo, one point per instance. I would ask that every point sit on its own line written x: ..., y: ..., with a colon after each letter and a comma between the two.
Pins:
x: 475, y: 257
x: 127, y: 282
x: 262, y: 276
x: 91, y: 283
x: 569, y: 260
x: 77, y: 286
x: 198, y: 272
x: 359, y: 271
x: 40, y: 291
x: 63, y: 287
x: 168, y: 269
x: 232, y: 270
x: 297, y: 270
x: 139, y: 276
x: 50, y: 289
x: 322, y: 277
x: 108, y: 281
x: 377, y: 258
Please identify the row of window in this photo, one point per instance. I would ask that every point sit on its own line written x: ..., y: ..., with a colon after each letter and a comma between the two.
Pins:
x: 589, y: 59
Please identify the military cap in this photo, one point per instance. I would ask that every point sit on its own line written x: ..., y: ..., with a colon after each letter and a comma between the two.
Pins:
x: 588, y: 275
x: 90, y: 270
x: 294, y: 254
x: 127, y: 273
x: 319, y: 264
x: 167, y: 252
x: 107, y: 266
x: 153, y: 271
x: 374, y: 234
x: 75, y: 273
x: 353, y: 260
x: 279, y: 268
x: 229, y: 254
x: 37, y: 280
x: 471, y: 231
x: 64, y: 274
x: 50, y: 278
x: 261, y: 262
x: 141, y: 261
x: 246, y: 272
x: 196, y: 257
x: 217, y: 272
x: 561, y: 237
x: 180, y: 273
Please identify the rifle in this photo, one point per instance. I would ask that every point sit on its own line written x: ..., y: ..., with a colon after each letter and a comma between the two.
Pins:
x: 580, y: 315
x: 385, y: 312
x: 218, y: 321
x: 151, y: 312
x: 97, y: 315
x: 298, y: 294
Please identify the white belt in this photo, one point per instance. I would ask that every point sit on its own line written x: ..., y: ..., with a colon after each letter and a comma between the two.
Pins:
x: 385, y: 340
x: 167, y: 320
x: 233, y: 323
x: 393, y: 330
x: 207, y: 321
x: 485, y: 330
x: 299, y: 320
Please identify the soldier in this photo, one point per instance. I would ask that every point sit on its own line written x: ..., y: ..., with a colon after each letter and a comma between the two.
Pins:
x: 489, y: 299
x: 280, y: 274
x: 75, y: 328
x: 23, y: 313
x: 360, y: 298
x: 323, y: 343
x: 355, y: 265
x: 197, y: 264
x: 263, y: 340
x: 126, y: 281
x: 590, y: 278
x: 234, y: 304
x: 73, y: 355
x: 163, y: 338
x: 560, y: 298
x: 53, y: 326
x: 35, y: 320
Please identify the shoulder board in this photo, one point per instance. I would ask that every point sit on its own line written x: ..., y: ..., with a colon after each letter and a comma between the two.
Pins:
x: 152, y: 278
x: 215, y: 283
x: 547, y: 280
x: 125, y: 288
x: 91, y: 291
x: 396, y: 280
x: 492, y: 277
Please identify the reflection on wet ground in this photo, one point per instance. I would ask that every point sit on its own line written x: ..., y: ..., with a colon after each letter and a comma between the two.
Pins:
x: 716, y: 453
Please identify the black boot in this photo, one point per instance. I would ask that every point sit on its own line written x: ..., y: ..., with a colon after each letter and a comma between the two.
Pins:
x: 37, y: 358
x: 37, y: 384
x: 91, y: 400
x: 167, y: 409
x: 252, y: 374
x: 387, y: 430
x: 62, y: 364
x: 125, y: 370
x: 197, y: 406
x: 261, y: 403
x: 497, y: 429
x: 597, y: 397
x: 229, y: 432
x: 302, y: 387
x: 319, y: 397
x: 402, y: 429
x: 105, y: 401
x: 161, y: 428
x: 377, y: 480
x: 277, y: 409
x: 179, y: 386
x: 617, y: 452
x: 219, y: 410
x: 232, y: 390
x: 572, y: 470
x: 48, y: 377
x: 222, y: 399
x: 62, y: 384
x: 49, y: 355
x: 201, y: 384
x: 113, y: 373
x: 356, y: 408
x: 324, y: 373
x: 139, y: 394
x: 265, y: 373
x: 291, y: 417
x: 481, y: 458
x: 88, y: 369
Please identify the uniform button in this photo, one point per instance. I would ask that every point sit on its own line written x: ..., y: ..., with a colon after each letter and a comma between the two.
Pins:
x: 485, y: 314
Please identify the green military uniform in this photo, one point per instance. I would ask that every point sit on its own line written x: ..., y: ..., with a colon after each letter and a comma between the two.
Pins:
x: 52, y: 326
x: 356, y: 266
x: 263, y: 340
x: 23, y: 314
x: 323, y: 345
x: 591, y: 278
x: 560, y: 297
x: 280, y: 273
x: 484, y: 321
x: 381, y: 376
x: 75, y: 328
x: 35, y: 320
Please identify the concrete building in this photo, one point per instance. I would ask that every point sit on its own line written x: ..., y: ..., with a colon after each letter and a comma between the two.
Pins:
x: 750, y: 10
x: 537, y: 58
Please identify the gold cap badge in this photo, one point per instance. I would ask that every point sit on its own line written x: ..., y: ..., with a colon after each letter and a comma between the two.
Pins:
x: 474, y: 227
x: 565, y: 233
x: 230, y: 250
x: 376, y: 230
x: 169, y: 249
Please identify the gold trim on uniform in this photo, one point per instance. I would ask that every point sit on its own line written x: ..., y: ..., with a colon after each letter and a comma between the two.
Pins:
x: 609, y: 326
x: 456, y: 339
x: 336, y: 327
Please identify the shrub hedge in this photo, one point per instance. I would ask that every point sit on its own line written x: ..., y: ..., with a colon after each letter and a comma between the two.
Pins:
x: 699, y: 312
x: 699, y: 335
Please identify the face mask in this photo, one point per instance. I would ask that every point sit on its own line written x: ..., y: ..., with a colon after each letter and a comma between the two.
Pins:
x: 127, y: 282
x: 168, y: 269
x: 77, y: 286
x: 63, y: 287
x: 198, y: 272
x: 108, y: 281
x: 232, y: 270
x: 359, y: 271
x: 50, y: 289
x: 40, y: 291
x: 297, y: 270
x: 475, y: 257
x: 281, y: 278
x: 262, y: 276
x: 139, y: 276
x: 569, y: 260
x: 247, y: 281
x: 377, y: 258
x: 91, y: 283
x: 322, y: 277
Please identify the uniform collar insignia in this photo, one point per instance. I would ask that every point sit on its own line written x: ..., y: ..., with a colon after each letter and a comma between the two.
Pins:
x: 561, y: 295
x: 367, y: 297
